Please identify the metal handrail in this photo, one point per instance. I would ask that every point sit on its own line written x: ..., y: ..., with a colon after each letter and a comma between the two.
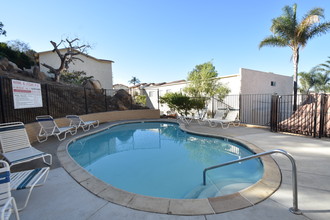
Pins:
x: 293, y: 209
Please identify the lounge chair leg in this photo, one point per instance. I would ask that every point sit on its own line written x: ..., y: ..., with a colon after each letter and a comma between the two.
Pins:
x: 86, y: 128
x: 213, y: 124
x: 61, y: 139
x: 44, y: 177
x: 40, y: 141
x: 50, y: 159
x: 15, y: 209
x: 236, y: 124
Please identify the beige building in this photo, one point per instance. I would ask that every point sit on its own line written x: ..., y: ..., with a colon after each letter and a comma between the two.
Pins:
x: 99, y: 68
x: 246, y: 82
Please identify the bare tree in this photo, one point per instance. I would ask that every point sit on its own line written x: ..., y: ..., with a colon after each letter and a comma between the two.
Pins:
x: 72, y: 49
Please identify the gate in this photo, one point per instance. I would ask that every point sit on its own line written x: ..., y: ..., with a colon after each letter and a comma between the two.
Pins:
x: 311, y: 118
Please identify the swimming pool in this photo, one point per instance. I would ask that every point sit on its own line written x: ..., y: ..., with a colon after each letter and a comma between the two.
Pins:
x: 158, y: 159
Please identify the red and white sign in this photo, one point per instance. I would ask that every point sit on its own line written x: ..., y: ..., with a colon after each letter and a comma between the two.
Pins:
x: 26, y: 94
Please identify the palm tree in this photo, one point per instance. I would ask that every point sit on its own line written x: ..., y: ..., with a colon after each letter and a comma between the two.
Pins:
x: 134, y: 80
x: 322, y: 82
x: 289, y: 32
x: 308, y: 80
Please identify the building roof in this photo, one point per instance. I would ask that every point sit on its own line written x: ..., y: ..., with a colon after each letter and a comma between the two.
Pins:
x: 89, y: 56
x: 120, y: 85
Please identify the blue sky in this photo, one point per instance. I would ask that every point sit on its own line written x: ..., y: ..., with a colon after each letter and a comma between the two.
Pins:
x: 158, y: 40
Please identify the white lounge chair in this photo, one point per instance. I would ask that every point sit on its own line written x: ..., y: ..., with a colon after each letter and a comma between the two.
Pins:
x: 7, y: 202
x: 48, y: 127
x: 77, y: 122
x: 184, y: 119
x: 16, y: 147
x: 231, y: 118
x: 219, y: 114
x: 27, y: 179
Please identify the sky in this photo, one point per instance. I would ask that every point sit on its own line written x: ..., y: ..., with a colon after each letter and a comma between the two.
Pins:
x: 163, y: 40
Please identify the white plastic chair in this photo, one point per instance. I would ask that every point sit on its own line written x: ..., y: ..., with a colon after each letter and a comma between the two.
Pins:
x: 16, y: 147
x: 231, y: 118
x: 77, y: 122
x: 7, y: 202
x: 48, y: 127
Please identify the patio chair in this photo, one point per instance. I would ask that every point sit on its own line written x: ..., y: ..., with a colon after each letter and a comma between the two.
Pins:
x: 231, y: 118
x: 48, y: 127
x: 7, y: 202
x: 16, y: 147
x: 77, y: 122
x: 27, y: 179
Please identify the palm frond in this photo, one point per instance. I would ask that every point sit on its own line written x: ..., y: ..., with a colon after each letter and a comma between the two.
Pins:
x: 274, y: 41
x: 318, y: 30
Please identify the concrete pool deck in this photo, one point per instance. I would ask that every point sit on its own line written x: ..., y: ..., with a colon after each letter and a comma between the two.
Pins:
x: 63, y: 198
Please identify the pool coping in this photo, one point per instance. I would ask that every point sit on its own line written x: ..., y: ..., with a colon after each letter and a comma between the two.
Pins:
x: 247, y: 197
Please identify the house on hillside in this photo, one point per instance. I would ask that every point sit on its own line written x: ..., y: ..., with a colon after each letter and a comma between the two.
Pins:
x: 248, y: 82
x: 120, y: 86
x: 99, y: 68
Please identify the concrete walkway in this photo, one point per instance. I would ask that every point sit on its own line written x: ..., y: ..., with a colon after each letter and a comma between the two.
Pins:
x: 63, y: 198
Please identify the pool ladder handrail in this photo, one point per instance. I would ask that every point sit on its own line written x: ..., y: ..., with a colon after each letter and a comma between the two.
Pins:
x: 293, y: 209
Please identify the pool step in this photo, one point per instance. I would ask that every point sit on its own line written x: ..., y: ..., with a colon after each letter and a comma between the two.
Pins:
x: 214, y: 190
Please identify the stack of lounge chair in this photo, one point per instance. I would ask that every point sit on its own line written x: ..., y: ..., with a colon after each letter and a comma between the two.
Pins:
x: 16, y: 149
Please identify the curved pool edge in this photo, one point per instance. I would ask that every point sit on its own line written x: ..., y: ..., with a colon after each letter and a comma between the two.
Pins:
x: 250, y: 196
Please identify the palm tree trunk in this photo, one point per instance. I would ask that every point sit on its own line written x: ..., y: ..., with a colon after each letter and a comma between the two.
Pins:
x: 295, y: 77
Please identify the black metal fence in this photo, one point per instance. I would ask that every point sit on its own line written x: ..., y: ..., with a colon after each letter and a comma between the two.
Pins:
x: 311, y: 118
x: 253, y: 108
x: 58, y: 101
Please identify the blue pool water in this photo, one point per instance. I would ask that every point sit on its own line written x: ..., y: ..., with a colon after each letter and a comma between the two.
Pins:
x: 160, y: 160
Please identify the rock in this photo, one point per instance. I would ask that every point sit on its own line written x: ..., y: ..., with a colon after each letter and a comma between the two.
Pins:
x: 88, y: 85
x: 123, y: 99
x: 13, y: 66
x: 4, y: 62
x: 96, y: 84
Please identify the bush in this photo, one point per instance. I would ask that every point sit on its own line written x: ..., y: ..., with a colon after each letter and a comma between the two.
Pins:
x: 140, y: 99
x: 75, y: 77
x: 177, y: 102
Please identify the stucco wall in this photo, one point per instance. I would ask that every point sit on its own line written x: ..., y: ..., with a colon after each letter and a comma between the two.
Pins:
x: 233, y: 82
x: 33, y: 128
x: 257, y: 82
x: 100, y: 69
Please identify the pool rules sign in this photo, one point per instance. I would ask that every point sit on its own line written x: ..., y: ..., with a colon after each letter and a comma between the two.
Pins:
x: 26, y: 94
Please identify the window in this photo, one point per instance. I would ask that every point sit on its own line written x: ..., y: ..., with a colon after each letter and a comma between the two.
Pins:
x: 272, y: 83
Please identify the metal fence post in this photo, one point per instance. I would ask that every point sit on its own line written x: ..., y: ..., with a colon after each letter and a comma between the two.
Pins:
x: 2, y: 101
x: 47, y: 99
x: 316, y: 98
x: 86, y: 104
x: 322, y: 115
x: 105, y: 100
x: 274, y: 113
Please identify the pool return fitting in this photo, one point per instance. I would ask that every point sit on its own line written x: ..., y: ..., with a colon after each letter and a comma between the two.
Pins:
x: 293, y: 209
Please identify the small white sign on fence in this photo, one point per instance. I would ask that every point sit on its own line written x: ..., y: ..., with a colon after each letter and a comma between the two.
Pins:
x: 26, y: 94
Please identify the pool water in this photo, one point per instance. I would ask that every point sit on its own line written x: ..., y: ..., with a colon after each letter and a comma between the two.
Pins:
x: 160, y: 160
